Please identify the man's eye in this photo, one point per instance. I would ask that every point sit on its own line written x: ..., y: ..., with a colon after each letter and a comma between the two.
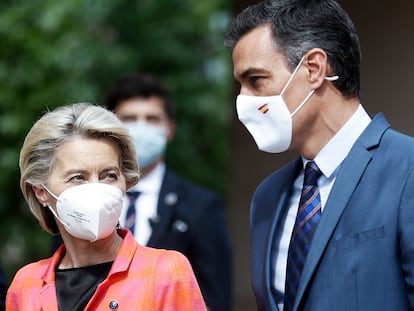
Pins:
x: 153, y: 119
x: 254, y: 80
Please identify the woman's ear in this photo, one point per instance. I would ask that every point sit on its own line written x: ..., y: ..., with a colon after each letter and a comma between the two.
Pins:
x: 40, y: 194
x: 316, y: 63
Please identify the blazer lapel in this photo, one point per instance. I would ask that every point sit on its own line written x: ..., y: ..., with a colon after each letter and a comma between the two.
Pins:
x: 347, y: 180
x: 167, y: 201
x: 47, y: 294
x: 280, y: 205
x: 48, y: 298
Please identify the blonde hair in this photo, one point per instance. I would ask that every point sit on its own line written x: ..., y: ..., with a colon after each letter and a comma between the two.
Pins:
x: 51, y: 131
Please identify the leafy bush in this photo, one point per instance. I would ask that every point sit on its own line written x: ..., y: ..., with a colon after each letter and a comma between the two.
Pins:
x: 60, y: 52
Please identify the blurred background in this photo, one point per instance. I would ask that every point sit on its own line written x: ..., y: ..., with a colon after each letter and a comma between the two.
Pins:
x: 59, y: 52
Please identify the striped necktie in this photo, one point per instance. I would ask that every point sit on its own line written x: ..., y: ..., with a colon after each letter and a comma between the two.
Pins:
x: 307, y: 219
x: 131, y: 211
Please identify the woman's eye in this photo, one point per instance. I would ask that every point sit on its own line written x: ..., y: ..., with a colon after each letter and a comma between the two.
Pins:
x: 76, y: 178
x: 112, y: 176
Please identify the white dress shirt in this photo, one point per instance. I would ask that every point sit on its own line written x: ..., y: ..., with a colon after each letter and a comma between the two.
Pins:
x: 328, y: 160
x: 146, y: 204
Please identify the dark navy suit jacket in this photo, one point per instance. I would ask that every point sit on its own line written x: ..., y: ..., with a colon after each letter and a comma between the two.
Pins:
x: 362, y: 253
x: 192, y: 221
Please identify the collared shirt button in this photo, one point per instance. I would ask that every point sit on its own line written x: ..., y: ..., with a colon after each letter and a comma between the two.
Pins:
x: 113, y: 305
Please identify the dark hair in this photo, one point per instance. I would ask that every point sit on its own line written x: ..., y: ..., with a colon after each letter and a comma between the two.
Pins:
x: 301, y: 25
x: 139, y: 85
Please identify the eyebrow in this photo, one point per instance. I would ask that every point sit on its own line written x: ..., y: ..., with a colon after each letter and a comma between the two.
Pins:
x: 85, y: 171
x: 75, y: 171
x: 250, y: 71
x: 111, y: 168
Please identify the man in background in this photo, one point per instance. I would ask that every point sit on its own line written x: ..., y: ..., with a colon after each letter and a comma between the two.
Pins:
x: 164, y: 210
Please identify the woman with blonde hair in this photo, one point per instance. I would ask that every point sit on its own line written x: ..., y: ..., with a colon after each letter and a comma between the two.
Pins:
x: 76, y: 164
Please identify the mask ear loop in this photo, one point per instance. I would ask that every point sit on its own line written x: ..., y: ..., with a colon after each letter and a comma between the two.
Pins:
x: 57, y: 217
x: 333, y: 78
x: 50, y: 192
x: 292, y: 75
x: 51, y: 209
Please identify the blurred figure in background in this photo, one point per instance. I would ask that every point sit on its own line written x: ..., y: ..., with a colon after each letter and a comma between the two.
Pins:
x: 76, y: 164
x: 164, y: 210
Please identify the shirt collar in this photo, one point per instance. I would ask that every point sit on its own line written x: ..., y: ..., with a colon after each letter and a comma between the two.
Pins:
x: 151, y: 183
x: 335, y: 151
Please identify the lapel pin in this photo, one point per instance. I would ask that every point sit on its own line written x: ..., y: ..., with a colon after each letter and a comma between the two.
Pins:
x: 113, y: 305
x: 180, y: 226
x: 171, y: 198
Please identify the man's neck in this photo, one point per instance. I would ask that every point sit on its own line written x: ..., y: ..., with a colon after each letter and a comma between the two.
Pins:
x: 150, y: 168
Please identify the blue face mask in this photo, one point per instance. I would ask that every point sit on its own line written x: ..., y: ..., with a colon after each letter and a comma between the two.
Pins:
x: 150, y: 141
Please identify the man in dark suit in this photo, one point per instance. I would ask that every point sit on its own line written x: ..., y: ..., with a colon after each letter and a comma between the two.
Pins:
x: 333, y: 230
x: 164, y: 210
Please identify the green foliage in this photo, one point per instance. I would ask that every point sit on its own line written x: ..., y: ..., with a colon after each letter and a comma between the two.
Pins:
x: 59, y: 52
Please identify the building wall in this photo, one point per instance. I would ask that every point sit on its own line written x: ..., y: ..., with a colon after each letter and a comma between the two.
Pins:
x: 387, y: 77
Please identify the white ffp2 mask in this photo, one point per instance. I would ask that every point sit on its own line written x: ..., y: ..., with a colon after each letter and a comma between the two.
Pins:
x: 89, y: 211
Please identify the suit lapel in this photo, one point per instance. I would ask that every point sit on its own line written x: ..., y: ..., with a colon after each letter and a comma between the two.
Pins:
x: 279, y: 207
x: 167, y: 201
x: 347, y: 180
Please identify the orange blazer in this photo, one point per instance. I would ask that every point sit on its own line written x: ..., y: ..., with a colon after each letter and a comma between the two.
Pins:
x: 141, y: 278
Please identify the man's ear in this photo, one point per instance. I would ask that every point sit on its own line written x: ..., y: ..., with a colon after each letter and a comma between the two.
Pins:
x: 316, y: 63
x: 40, y: 194
x: 171, y: 130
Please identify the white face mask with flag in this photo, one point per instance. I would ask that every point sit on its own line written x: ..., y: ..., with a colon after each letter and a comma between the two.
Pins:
x: 268, y: 118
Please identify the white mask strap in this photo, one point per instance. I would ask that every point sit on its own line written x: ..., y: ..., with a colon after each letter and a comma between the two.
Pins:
x: 51, y: 209
x: 302, y: 103
x: 50, y: 192
x: 57, y: 217
x: 333, y: 78
x: 292, y: 75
